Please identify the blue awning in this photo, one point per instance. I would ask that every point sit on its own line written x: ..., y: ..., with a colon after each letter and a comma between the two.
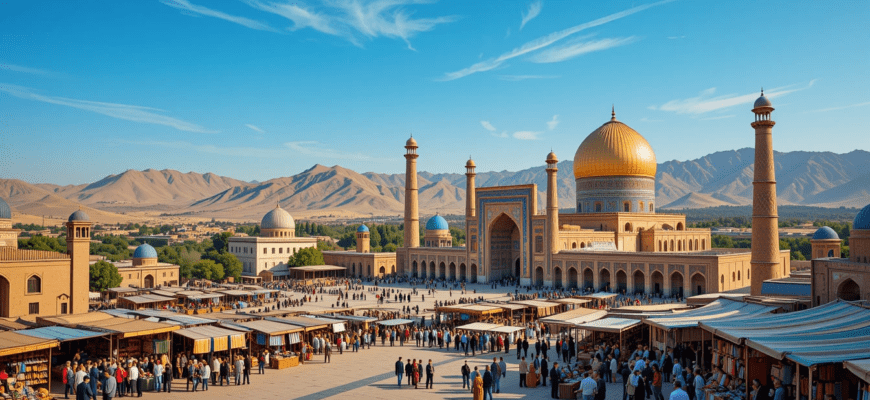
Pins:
x: 61, y: 333
x: 773, y: 288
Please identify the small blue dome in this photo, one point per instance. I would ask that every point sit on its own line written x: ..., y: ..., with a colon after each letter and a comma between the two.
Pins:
x: 436, y: 223
x: 79, y: 215
x: 145, y: 251
x: 825, y: 233
x: 762, y: 101
x: 862, y: 220
x: 5, y: 211
x: 362, y: 228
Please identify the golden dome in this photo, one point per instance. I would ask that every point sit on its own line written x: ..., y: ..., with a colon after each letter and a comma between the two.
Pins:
x: 614, y: 149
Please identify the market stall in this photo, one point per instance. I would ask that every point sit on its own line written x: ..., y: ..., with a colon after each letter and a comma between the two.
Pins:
x: 615, y: 330
x: 282, y: 340
x: 146, y: 301
x: 338, y: 324
x: 477, y: 326
x: 209, y: 340
x: 683, y: 327
x: 473, y: 312
x: 538, y: 309
x: 573, y: 302
x: 566, y: 322
x: 804, y: 349
x: 29, y: 356
x: 600, y: 299
x: 311, y: 327
x: 127, y: 337
x: 355, y: 321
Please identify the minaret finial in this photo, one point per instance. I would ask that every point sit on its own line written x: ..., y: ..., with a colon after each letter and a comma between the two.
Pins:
x: 612, y: 112
x: 277, y: 205
x: 762, y: 90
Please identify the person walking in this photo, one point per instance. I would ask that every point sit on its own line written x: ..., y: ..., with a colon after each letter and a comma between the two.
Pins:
x: 225, y: 372
x: 502, y: 366
x: 409, y: 371
x: 158, y: 376
x: 121, y: 380
x: 133, y: 376
x: 496, y: 374
x: 83, y: 390
x: 699, y: 384
x: 246, y: 378
x: 416, y: 374
x: 487, y: 384
x: 555, y: 378
x: 239, y: 367
x: 215, y: 370
x: 167, y: 378
x: 327, y: 353
x: 679, y: 393
x: 656, y: 383
x: 544, y: 371
x: 588, y: 386
x: 466, y: 372
x: 524, y: 370
x: 205, y: 374
x: 430, y: 374
x: 261, y: 363
x: 601, y: 390
x: 477, y: 390
x: 110, y: 385
x: 400, y: 370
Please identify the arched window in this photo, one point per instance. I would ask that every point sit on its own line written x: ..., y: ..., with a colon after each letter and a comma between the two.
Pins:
x: 579, y: 207
x: 733, y: 276
x: 574, y: 245
x: 626, y: 206
x: 597, y: 207
x: 650, y: 207
x: 690, y: 244
x: 738, y: 275
x: 34, y: 284
x: 679, y: 245
x: 640, y: 207
x: 582, y: 245
x: 660, y: 245
x: 703, y: 244
x: 628, y: 227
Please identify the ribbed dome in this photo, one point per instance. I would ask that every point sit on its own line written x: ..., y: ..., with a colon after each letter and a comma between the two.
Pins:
x: 436, y: 223
x: 614, y: 149
x: 825, y: 233
x: 5, y: 210
x: 862, y: 220
x: 762, y: 101
x: 145, y: 251
x: 277, y: 219
x: 79, y: 215
x: 362, y: 228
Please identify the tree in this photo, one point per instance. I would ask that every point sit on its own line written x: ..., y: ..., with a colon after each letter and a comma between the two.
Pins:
x: 232, y: 266
x: 104, y: 276
x: 221, y: 241
x: 208, y: 269
x: 306, y: 256
x: 390, y: 248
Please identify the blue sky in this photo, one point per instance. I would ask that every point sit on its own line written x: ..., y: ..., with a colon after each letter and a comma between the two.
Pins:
x: 259, y: 89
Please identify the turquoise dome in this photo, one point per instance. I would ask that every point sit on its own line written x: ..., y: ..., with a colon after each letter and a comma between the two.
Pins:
x: 5, y: 211
x: 436, y: 223
x: 825, y: 233
x: 362, y: 228
x: 145, y: 251
x: 862, y: 220
x: 79, y: 215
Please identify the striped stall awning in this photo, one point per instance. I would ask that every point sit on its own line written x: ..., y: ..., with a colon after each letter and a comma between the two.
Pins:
x: 294, y: 338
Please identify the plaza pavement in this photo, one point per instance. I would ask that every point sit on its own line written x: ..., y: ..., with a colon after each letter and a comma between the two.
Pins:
x: 369, y: 374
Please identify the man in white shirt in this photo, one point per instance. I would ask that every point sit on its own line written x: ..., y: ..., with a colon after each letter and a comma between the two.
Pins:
x: 679, y: 393
x: 587, y: 387
x: 80, y: 376
x: 134, y: 379
x: 205, y: 372
x: 215, y: 369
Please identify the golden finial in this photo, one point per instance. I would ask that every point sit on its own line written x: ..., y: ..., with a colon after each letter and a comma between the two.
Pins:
x: 612, y: 112
x: 277, y: 205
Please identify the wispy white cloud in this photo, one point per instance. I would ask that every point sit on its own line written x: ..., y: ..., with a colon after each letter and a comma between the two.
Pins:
x: 676, y: 37
x: 543, y: 42
x: 527, y: 135
x: 706, y: 101
x: 719, y: 117
x: 578, y: 48
x: 500, y: 135
x: 317, y: 149
x: 120, y: 111
x: 229, y: 151
x: 553, y: 123
x: 843, y: 107
x: 515, y: 78
x: 531, y: 13
x: 25, y: 70
x: 255, y: 128
x: 355, y: 20
x: 645, y: 119
x: 486, y: 125
x: 185, y: 5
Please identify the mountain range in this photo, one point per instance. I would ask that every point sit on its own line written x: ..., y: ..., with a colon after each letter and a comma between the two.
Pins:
x: 722, y: 178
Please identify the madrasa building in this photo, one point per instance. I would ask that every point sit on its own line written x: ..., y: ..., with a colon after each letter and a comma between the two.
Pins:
x: 614, y: 241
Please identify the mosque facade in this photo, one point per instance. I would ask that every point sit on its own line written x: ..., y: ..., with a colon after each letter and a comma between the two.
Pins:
x: 836, y: 277
x: 266, y: 256
x: 615, y: 241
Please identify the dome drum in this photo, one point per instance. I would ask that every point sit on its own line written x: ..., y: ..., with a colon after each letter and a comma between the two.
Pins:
x: 616, y: 194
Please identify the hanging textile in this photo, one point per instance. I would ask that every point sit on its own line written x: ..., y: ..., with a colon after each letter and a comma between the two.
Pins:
x: 160, y: 347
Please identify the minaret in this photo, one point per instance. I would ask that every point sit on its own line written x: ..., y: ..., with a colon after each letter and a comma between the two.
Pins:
x: 552, y: 204
x: 363, y: 240
x: 765, y: 222
x: 78, y: 246
x: 470, y: 212
x: 412, y: 212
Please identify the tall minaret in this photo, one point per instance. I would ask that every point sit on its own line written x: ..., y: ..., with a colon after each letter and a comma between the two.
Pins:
x: 765, y: 222
x: 78, y: 246
x: 552, y: 204
x: 412, y: 212
x: 470, y: 212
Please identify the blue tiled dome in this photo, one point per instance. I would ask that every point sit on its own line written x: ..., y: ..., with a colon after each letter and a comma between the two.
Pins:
x: 5, y: 211
x: 79, y: 215
x: 145, y: 251
x: 862, y: 220
x: 436, y: 223
x: 277, y: 219
x: 825, y: 233
x: 362, y: 228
